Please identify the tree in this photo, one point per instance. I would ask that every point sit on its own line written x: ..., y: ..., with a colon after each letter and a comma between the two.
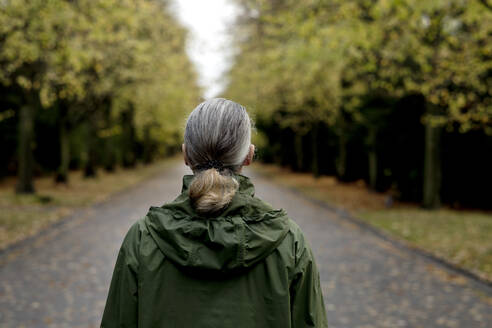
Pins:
x: 330, y: 61
x: 91, y: 60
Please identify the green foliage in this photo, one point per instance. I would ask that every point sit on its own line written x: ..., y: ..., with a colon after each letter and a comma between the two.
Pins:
x: 317, y: 58
x: 347, y: 67
x: 87, y: 57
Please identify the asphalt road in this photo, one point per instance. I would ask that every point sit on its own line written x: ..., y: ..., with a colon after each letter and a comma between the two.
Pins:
x: 61, y: 277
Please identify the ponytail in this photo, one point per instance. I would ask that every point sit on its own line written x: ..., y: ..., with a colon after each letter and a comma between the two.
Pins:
x: 211, y: 191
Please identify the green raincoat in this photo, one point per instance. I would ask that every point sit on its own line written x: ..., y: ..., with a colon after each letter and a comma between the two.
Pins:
x: 250, y: 266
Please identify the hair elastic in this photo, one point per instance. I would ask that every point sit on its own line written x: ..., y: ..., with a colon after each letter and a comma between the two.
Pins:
x: 211, y: 164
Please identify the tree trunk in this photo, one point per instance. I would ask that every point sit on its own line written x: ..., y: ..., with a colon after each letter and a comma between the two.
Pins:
x: 299, y: 151
x: 110, y: 156
x: 373, y: 160
x: 62, y: 174
x: 314, y: 145
x: 110, y: 146
x: 127, y: 122
x: 341, y: 160
x: 432, y: 166
x: 90, y: 166
x: 147, y: 151
x: 25, y: 148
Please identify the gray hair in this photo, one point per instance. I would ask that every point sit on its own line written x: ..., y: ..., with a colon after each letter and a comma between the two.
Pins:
x: 217, y: 131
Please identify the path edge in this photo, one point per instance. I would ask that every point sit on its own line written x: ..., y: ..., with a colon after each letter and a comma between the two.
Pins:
x: 399, y: 243
x: 65, y: 219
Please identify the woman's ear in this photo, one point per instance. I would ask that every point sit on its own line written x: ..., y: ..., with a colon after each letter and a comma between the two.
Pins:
x: 249, y: 158
x: 183, y: 148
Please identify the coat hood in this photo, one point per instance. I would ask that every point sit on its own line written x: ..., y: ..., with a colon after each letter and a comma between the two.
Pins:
x: 242, y: 234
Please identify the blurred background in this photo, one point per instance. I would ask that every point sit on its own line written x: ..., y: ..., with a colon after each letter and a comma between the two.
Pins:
x: 380, y: 107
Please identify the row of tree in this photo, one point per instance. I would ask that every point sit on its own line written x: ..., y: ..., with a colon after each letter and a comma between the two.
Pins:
x: 91, y: 82
x: 397, y: 92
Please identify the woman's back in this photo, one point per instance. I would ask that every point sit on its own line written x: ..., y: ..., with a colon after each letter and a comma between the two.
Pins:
x: 249, y: 266
x: 216, y: 256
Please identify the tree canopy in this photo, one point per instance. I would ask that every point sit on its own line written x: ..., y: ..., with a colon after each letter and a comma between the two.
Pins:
x: 94, y: 61
x: 336, y: 53
x: 350, y: 66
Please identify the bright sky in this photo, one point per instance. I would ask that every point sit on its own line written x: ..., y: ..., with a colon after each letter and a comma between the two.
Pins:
x: 209, y: 45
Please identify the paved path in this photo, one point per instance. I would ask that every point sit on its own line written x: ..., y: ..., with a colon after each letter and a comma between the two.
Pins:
x: 61, y: 278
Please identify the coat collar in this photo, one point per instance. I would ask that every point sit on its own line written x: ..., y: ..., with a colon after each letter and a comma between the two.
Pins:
x: 242, y: 234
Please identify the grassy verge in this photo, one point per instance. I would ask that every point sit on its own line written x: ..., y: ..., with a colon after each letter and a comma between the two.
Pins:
x: 24, y: 215
x: 460, y: 237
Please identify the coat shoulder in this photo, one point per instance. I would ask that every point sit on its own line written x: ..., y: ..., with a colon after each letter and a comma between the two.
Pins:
x: 134, y: 233
x: 132, y: 243
x: 295, y: 249
x: 298, y: 239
